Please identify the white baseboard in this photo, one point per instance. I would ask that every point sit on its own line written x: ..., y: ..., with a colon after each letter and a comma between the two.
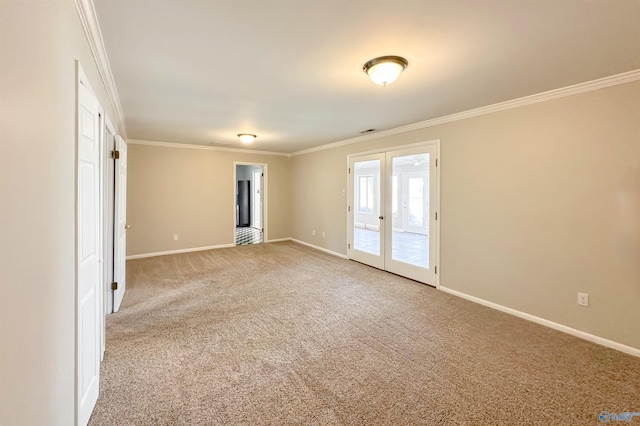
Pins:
x: 278, y: 240
x: 188, y: 250
x: 334, y: 253
x: 563, y: 328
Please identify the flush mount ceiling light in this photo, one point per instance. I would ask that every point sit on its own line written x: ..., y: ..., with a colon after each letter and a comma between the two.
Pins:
x: 385, y: 69
x: 246, y: 137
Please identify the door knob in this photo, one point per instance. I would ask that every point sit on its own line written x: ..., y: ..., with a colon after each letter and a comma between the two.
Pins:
x: 380, y: 217
x: 127, y: 226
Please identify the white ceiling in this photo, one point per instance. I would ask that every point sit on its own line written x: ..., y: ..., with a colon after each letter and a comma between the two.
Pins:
x: 201, y: 71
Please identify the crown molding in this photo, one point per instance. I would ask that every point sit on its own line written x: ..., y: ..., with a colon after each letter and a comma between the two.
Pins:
x: 91, y: 28
x: 575, y: 89
x: 205, y: 148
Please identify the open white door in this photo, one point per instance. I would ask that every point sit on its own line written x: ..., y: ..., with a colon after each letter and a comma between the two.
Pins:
x: 89, y: 240
x: 109, y: 215
x: 120, y: 234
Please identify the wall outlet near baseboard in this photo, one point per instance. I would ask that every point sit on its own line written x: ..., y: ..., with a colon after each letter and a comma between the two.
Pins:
x: 322, y: 234
x: 175, y: 237
x: 583, y: 299
x: 313, y: 232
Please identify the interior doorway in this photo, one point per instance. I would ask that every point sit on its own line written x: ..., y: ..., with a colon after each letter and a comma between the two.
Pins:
x: 250, y: 190
x: 393, y: 211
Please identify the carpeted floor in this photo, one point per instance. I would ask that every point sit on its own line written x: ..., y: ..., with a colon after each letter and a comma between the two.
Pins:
x: 282, y: 334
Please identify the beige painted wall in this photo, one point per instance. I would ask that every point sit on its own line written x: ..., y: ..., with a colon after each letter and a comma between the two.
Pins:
x: 191, y: 192
x: 39, y: 43
x: 537, y: 203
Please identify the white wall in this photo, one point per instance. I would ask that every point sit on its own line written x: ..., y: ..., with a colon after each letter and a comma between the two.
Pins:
x: 39, y: 42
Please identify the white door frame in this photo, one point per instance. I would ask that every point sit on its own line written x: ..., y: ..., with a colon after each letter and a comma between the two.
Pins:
x: 256, y: 192
x: 108, y: 223
x: 265, y: 198
x: 120, y: 224
x: 436, y: 209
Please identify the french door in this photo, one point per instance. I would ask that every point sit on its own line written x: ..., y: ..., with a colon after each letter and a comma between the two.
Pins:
x: 393, y: 211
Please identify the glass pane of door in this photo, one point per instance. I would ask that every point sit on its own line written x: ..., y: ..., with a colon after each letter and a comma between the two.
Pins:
x: 366, y: 206
x: 410, y: 230
x: 415, y: 209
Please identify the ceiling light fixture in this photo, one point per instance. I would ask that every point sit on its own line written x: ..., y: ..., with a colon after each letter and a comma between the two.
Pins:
x: 385, y: 69
x: 246, y: 137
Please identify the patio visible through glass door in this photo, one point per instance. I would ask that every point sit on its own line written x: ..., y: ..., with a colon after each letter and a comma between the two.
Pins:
x: 393, y: 212
x: 367, y: 224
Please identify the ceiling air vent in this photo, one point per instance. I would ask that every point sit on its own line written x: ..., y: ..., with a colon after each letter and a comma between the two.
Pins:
x: 367, y: 131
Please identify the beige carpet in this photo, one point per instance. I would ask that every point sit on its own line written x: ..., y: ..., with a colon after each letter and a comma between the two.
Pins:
x: 282, y: 334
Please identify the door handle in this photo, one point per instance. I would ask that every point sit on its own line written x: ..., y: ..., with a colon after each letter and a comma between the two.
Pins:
x: 380, y: 217
x: 127, y: 226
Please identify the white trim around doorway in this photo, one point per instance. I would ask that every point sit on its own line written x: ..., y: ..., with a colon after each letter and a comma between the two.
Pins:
x: 435, y: 142
x: 265, y: 197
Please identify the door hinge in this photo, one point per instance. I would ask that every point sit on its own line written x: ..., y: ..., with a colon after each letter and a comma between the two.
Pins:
x: 436, y: 269
x: 436, y: 215
x: 349, y: 246
x: 262, y: 174
x: 349, y: 170
x: 114, y: 285
x: 348, y: 208
x: 436, y: 162
x: 115, y: 154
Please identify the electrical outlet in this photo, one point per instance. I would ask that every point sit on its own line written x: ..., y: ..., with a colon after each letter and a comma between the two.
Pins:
x: 175, y: 237
x: 322, y: 234
x: 583, y: 299
x: 313, y: 232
